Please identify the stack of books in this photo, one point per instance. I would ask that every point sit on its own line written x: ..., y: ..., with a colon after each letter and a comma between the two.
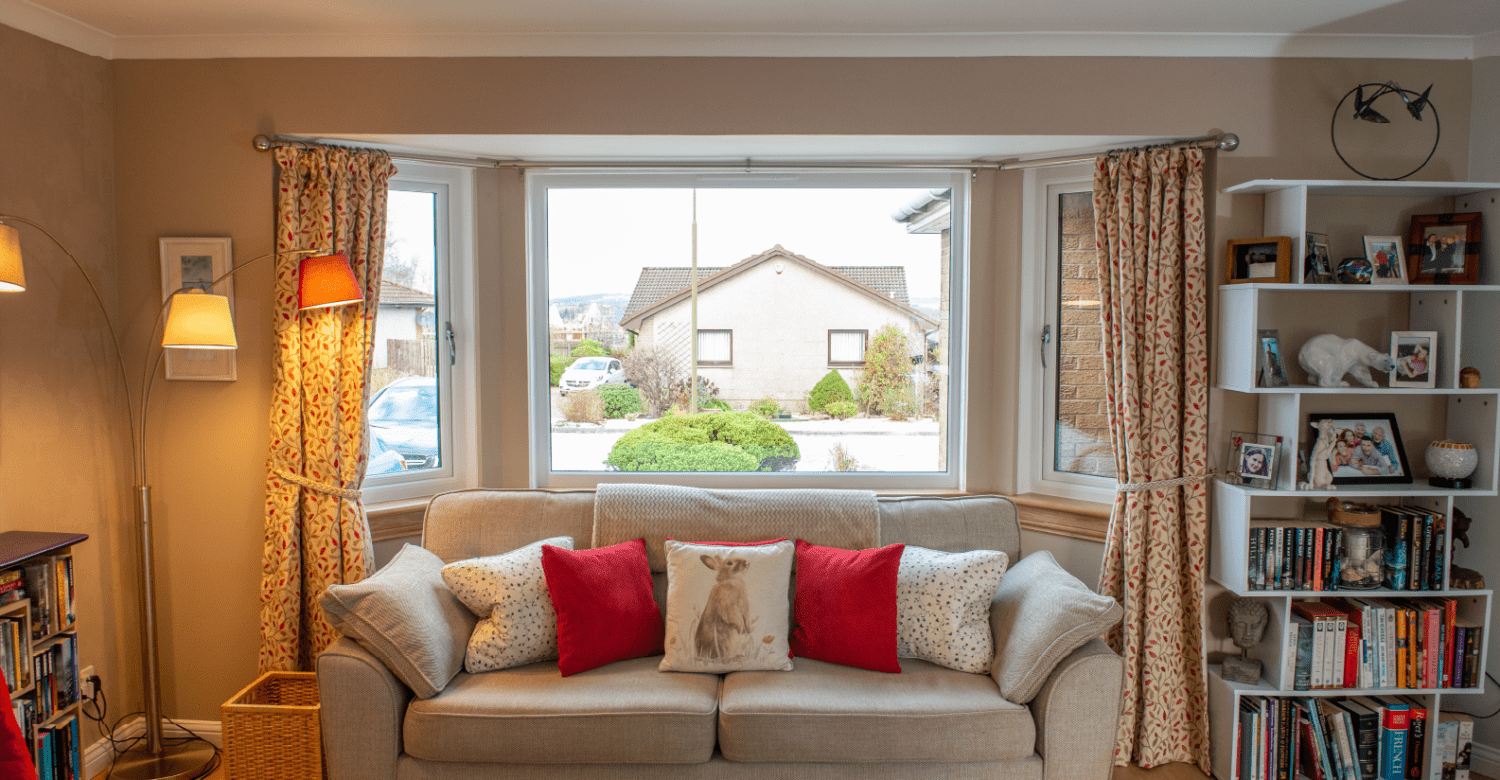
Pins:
x: 1415, y: 543
x: 1372, y: 643
x: 1359, y: 738
x: 49, y: 584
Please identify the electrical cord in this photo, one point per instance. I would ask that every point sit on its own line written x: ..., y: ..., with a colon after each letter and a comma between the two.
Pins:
x: 119, y: 747
x: 1492, y: 679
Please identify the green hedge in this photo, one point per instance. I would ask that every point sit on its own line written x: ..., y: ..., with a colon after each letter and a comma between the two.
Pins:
x: 843, y: 410
x: 829, y: 389
x: 620, y: 400
x: 560, y: 364
x: 715, y: 441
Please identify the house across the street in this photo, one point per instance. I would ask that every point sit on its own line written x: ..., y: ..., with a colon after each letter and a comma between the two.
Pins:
x: 772, y: 325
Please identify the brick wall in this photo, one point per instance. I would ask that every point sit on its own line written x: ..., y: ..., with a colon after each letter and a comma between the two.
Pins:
x: 1082, y: 422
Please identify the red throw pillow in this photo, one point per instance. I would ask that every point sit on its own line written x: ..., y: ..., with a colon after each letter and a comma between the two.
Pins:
x: 15, y: 760
x: 845, y: 612
x: 605, y: 610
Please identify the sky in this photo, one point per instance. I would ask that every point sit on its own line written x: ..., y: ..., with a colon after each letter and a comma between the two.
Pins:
x: 409, y: 227
x: 598, y: 240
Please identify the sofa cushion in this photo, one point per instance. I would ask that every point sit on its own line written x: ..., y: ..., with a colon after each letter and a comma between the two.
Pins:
x: 606, y: 610
x: 405, y: 615
x: 1040, y: 614
x: 845, y: 610
x: 623, y: 713
x: 509, y: 594
x: 943, y: 606
x: 824, y: 712
x: 727, y: 606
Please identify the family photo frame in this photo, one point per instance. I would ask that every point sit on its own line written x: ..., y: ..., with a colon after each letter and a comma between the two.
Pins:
x: 1387, y: 261
x: 1444, y: 248
x: 1415, y: 353
x: 1254, y: 459
x: 1270, y: 369
x: 195, y: 262
x: 1319, y: 260
x: 1267, y: 259
x: 1366, y: 449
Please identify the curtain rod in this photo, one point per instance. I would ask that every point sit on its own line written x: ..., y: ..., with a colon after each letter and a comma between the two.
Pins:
x: 1227, y: 142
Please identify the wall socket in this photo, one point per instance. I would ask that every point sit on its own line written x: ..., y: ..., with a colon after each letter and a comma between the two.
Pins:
x: 86, y: 683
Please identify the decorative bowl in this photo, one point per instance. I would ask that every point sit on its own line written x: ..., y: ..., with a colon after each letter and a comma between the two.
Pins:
x: 1452, y: 459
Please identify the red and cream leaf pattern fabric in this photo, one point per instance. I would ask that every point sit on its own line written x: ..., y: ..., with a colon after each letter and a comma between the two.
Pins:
x: 1148, y: 207
x: 333, y: 200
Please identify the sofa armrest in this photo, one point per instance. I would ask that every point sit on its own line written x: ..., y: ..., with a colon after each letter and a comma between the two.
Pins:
x: 1077, y: 714
x: 363, y: 706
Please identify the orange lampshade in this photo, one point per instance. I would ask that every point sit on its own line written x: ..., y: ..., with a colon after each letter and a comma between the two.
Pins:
x: 12, y: 272
x: 327, y: 280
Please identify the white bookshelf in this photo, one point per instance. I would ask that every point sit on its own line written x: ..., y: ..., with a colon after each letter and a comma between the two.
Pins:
x: 1467, y: 321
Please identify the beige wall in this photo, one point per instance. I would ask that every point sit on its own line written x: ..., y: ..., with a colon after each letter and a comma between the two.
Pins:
x: 185, y: 167
x: 64, y: 464
x: 1484, y: 144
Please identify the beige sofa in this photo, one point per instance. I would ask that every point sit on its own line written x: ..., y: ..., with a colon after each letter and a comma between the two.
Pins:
x: 628, y: 720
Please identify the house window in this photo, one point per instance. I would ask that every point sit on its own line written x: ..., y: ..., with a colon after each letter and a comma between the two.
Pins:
x: 847, y: 347
x: 715, y: 347
x: 1062, y: 343
x: 795, y: 273
x: 418, y: 395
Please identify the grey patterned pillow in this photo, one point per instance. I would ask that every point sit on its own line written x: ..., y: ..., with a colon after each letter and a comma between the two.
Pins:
x: 1040, y: 615
x: 943, y: 606
x: 509, y: 592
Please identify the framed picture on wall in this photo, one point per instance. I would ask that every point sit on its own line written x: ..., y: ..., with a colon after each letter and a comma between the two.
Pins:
x: 194, y: 263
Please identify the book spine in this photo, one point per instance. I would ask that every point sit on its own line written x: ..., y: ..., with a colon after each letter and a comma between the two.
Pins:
x: 1402, y: 650
x: 1284, y: 739
x: 1416, y: 743
x: 1465, y: 749
x: 1451, y: 656
x: 1343, y: 728
x: 1447, y: 746
x: 1417, y: 554
x: 1439, y: 552
x: 1319, y: 652
x: 1351, y: 653
x: 1317, y: 566
x: 1340, y: 650
x: 1286, y: 560
x: 1393, y: 724
x: 1253, y: 564
x: 1307, y: 558
x: 1302, y: 672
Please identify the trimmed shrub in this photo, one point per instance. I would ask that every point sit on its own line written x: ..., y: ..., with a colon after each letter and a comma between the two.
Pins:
x: 583, y: 406
x: 589, y: 348
x: 560, y: 364
x: 722, y: 441
x: 765, y: 408
x: 620, y: 400
x: 829, y: 389
x: 842, y: 410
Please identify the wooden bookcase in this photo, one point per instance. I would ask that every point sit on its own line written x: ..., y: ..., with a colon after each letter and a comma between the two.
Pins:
x: 48, y: 706
x: 1467, y: 320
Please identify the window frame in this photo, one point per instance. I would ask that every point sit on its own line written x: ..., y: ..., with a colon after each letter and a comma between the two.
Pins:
x: 715, y: 363
x: 1040, y: 283
x: 453, y: 188
x: 864, y: 345
x: 540, y: 180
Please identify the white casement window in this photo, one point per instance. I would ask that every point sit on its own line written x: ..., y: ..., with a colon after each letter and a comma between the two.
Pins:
x: 846, y: 347
x: 1064, y: 417
x: 421, y: 384
x: 715, y: 347
x: 801, y: 274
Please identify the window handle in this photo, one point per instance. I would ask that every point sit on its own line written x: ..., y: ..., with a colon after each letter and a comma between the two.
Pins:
x: 452, y: 344
x: 1046, y: 337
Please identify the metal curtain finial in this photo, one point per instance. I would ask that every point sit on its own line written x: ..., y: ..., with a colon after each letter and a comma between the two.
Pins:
x: 262, y: 143
x: 1228, y: 142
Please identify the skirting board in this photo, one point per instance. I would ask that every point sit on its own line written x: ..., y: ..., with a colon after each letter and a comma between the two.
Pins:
x: 97, y: 756
x: 1485, y: 760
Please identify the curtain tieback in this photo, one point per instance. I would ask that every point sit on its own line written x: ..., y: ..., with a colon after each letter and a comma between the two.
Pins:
x: 1132, y: 487
x: 318, y: 486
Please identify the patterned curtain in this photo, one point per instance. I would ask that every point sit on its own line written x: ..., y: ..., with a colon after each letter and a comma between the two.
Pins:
x: 1148, y: 207
x: 334, y: 200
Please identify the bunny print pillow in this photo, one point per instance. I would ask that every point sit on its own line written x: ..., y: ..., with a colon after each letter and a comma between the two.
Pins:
x: 727, y: 607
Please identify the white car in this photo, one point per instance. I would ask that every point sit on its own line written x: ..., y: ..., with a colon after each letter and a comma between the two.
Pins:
x: 587, y: 373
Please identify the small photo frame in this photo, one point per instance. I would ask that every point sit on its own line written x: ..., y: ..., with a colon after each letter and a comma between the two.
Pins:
x: 1266, y: 259
x: 1319, y: 260
x: 1387, y: 261
x: 196, y: 262
x: 1367, y: 449
x: 1415, y: 353
x: 1271, y: 371
x: 1444, y: 248
x: 1254, y: 459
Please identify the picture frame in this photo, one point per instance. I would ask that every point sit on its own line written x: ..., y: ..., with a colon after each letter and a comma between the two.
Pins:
x: 195, y: 262
x: 1415, y: 354
x: 1387, y: 260
x: 1254, y: 459
x: 1319, y: 260
x: 1270, y: 368
x: 1383, y: 462
x: 1444, y: 248
x: 1267, y: 259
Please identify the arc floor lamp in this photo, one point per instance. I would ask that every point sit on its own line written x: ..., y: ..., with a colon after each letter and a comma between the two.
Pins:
x: 194, y: 319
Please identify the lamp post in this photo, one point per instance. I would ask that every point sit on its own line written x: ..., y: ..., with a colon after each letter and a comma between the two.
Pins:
x: 194, y: 320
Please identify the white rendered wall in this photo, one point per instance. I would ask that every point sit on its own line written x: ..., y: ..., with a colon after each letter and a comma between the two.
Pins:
x: 392, y: 323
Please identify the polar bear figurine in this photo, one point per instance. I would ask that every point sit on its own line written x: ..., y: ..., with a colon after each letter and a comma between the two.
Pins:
x: 1327, y: 358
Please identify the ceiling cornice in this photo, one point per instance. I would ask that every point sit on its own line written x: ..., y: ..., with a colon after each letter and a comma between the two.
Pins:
x: 55, y: 27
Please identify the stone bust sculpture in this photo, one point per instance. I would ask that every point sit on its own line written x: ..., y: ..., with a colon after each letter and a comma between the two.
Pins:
x: 1248, y: 619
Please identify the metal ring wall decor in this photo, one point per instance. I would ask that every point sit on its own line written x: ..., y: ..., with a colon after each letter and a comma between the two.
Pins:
x: 1414, y: 102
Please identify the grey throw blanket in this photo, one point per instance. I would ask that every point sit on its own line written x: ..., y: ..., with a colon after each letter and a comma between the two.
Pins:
x: 833, y: 518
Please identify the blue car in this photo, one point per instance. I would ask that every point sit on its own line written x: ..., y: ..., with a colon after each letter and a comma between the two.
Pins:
x: 404, y: 417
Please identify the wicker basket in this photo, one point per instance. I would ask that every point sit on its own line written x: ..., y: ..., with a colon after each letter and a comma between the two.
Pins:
x: 271, y: 729
x: 1338, y: 516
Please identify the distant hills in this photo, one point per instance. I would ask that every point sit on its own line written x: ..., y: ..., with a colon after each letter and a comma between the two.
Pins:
x: 611, y: 305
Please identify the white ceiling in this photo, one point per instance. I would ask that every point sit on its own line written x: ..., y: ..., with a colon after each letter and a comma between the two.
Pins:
x: 1445, y: 29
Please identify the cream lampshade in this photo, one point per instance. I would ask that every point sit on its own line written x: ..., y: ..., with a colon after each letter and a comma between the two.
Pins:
x: 325, y: 281
x: 12, y: 273
x: 198, y: 320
